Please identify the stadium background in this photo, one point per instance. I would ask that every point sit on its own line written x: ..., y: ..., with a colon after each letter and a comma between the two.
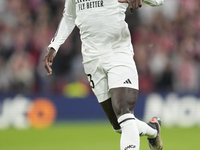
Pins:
x: 50, y: 112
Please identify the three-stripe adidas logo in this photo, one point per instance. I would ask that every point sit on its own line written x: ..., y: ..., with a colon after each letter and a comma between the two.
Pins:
x: 127, y: 81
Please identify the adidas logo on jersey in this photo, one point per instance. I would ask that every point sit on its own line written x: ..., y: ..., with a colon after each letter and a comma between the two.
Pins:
x: 127, y: 81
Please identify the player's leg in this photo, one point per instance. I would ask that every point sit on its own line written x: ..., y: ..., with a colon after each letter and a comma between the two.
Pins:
x: 123, y: 102
x: 122, y: 72
x: 123, y: 85
x: 143, y: 128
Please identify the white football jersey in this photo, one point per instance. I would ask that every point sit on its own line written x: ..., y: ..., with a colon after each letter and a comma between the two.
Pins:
x: 101, y: 23
x: 102, y: 27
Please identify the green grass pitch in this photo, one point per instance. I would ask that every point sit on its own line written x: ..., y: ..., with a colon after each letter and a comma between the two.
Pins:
x: 90, y: 136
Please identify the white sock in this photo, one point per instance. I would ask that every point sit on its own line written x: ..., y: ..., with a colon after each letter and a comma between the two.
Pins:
x: 145, y: 129
x: 130, y: 139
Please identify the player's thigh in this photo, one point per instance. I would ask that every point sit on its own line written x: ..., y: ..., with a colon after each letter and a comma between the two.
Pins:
x: 123, y: 100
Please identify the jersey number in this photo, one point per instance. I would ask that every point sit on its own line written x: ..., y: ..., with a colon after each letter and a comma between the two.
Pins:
x: 91, y: 81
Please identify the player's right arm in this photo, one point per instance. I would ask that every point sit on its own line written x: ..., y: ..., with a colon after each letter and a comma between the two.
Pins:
x: 65, y: 28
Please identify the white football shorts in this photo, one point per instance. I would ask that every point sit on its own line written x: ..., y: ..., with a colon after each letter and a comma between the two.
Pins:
x: 111, y: 71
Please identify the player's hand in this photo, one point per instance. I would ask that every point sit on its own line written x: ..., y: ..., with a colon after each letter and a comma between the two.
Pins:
x: 48, y: 59
x: 133, y: 4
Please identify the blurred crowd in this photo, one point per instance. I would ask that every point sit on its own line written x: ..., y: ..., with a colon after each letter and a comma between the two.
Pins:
x: 166, y: 43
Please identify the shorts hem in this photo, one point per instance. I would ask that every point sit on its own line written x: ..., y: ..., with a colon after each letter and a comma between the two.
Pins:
x: 102, y: 97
